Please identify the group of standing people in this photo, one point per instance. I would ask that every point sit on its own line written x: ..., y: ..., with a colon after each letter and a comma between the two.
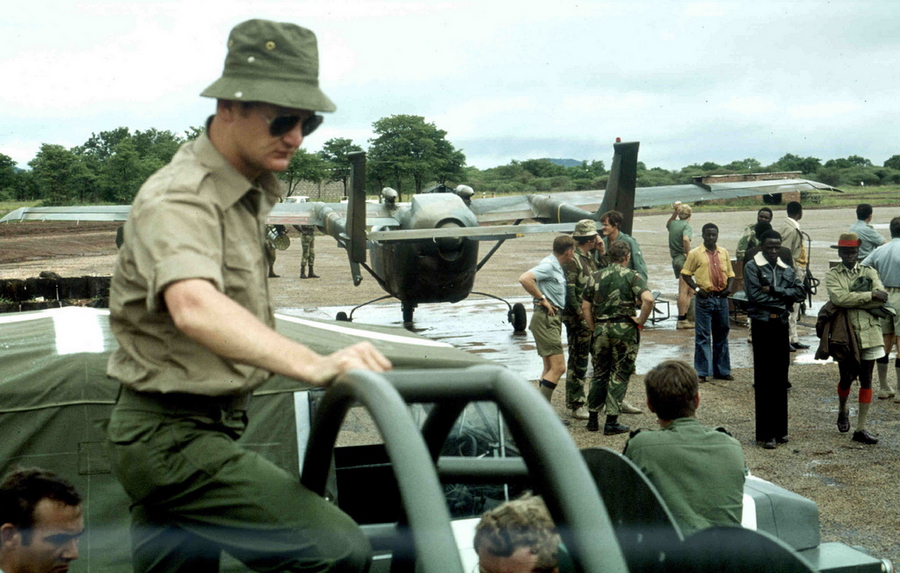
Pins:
x: 277, y: 240
x: 595, y: 286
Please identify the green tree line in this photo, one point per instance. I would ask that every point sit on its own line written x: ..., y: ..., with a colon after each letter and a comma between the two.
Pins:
x: 407, y: 153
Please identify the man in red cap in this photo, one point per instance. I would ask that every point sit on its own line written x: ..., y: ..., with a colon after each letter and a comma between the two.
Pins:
x: 857, y: 289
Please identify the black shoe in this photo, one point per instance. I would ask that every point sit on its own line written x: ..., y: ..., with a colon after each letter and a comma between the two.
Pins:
x: 702, y: 378
x: 791, y: 348
x: 864, y: 437
x: 725, y: 377
x: 843, y: 423
x: 769, y: 444
x: 593, y: 424
x: 564, y: 421
x: 782, y: 440
x: 614, y: 428
x: 799, y: 346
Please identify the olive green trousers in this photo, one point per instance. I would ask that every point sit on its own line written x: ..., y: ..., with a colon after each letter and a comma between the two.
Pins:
x: 195, y: 493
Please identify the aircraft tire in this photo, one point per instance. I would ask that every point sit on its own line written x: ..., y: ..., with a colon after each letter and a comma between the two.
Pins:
x: 518, y: 318
x: 342, y: 316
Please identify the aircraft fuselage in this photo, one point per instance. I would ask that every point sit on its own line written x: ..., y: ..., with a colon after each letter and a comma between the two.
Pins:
x: 440, y: 270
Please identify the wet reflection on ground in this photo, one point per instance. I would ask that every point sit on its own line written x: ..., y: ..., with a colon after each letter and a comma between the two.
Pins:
x: 481, y: 326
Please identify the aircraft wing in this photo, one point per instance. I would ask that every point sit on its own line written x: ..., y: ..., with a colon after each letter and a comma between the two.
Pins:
x: 282, y: 214
x: 489, y: 233
x: 86, y: 213
x: 553, y: 206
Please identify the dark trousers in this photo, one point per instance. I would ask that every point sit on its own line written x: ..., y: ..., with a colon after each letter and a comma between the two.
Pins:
x: 771, y: 360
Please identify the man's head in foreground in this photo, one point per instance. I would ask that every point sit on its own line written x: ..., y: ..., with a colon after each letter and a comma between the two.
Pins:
x: 40, y: 522
x: 672, y: 390
x: 267, y: 96
x: 518, y: 536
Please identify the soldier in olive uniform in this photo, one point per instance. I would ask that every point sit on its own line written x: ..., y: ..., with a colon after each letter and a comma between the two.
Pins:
x: 189, y: 307
x: 698, y: 471
x: 276, y: 240
x: 308, y: 242
x: 578, y: 272
x: 609, y: 301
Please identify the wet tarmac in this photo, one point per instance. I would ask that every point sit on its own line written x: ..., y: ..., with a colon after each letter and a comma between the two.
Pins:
x: 492, y: 336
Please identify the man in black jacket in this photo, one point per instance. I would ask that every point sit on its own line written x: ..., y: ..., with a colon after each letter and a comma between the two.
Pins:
x: 772, y: 288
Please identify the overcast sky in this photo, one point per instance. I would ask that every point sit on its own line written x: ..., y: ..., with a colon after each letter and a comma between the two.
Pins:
x: 692, y: 81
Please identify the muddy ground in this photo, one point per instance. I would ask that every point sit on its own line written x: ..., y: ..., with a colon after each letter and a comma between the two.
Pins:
x: 852, y: 484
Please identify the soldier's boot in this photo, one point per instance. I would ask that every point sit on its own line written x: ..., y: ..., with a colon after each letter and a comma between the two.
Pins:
x: 886, y: 390
x: 303, y: 272
x: 593, y: 424
x: 272, y: 274
x: 312, y: 273
x: 613, y: 427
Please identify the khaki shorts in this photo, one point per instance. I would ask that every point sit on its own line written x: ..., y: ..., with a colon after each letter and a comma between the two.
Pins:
x: 678, y: 264
x: 547, y: 331
x: 892, y: 325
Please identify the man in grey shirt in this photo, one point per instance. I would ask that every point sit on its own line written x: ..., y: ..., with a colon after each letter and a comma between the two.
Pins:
x: 869, y: 237
x: 886, y: 260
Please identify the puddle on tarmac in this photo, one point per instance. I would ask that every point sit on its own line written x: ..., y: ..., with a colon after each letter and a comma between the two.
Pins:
x: 481, y: 326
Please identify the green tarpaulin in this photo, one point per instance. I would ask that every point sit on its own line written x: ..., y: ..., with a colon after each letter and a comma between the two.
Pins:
x: 55, y: 398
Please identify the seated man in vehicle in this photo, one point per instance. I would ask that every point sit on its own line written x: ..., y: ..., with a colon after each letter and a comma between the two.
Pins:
x: 698, y: 471
x: 518, y: 536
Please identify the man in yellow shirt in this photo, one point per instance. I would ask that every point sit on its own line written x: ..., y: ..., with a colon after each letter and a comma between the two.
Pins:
x: 707, y: 270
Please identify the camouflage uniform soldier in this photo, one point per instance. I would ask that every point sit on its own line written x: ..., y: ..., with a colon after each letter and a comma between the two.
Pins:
x: 276, y: 240
x: 609, y: 302
x: 578, y: 272
x: 750, y: 238
x: 308, y: 242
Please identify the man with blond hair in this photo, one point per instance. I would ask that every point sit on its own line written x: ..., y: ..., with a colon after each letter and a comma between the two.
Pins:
x: 680, y: 233
x: 518, y: 536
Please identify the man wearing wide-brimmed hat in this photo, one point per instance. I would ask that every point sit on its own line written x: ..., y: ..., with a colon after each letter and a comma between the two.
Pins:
x: 857, y: 289
x: 578, y: 272
x: 189, y: 306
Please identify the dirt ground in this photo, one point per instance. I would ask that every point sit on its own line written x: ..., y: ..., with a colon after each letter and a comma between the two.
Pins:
x: 851, y: 483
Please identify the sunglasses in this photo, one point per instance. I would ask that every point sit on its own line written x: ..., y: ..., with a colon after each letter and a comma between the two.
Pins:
x: 278, y: 126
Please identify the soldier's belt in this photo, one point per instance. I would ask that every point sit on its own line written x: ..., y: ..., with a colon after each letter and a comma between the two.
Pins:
x: 617, y: 319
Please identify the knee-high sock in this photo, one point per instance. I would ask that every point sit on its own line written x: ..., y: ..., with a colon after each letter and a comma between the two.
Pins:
x: 883, y: 384
x: 547, y: 389
x: 865, y: 399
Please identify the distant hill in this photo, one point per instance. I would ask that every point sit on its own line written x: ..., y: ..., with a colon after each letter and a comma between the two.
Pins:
x: 565, y: 162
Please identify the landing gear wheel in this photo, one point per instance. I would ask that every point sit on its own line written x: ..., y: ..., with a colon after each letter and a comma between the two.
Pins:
x: 408, y: 310
x: 342, y: 316
x: 518, y: 317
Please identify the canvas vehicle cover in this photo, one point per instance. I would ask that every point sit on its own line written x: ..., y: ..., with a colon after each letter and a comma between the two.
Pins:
x: 55, y: 398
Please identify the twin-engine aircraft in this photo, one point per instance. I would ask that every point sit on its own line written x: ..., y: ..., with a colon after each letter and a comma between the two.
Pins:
x: 426, y: 250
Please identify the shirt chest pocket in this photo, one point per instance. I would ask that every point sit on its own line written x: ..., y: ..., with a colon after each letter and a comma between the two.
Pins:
x: 243, y: 263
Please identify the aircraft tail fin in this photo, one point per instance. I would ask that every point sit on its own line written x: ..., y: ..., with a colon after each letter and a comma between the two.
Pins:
x: 619, y: 194
x: 356, y: 208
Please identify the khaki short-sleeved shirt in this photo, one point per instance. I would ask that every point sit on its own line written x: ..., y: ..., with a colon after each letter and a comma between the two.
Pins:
x: 197, y: 217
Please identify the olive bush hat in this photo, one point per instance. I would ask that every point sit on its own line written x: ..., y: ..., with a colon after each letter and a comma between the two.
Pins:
x: 274, y: 63
x: 585, y: 228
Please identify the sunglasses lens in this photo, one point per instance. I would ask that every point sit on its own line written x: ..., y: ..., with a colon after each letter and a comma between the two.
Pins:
x: 312, y: 123
x: 283, y: 124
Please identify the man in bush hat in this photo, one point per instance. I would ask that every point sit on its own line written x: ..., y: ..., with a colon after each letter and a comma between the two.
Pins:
x: 189, y: 306
x: 578, y: 271
x: 856, y: 289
